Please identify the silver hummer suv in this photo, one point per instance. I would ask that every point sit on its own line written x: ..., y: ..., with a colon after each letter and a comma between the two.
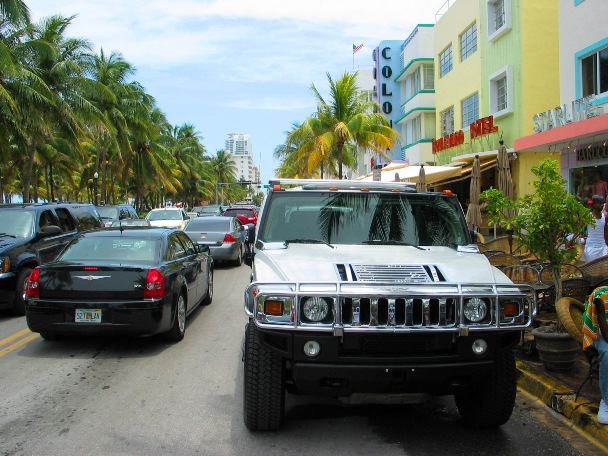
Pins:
x: 373, y: 287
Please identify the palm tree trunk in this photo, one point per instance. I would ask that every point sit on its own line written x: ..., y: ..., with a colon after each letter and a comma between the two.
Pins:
x: 27, y: 177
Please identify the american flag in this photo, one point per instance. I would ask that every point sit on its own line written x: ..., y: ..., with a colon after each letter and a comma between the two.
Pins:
x: 357, y: 48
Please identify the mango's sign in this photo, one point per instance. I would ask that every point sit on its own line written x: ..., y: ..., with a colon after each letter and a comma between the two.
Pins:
x: 580, y: 109
x: 478, y: 128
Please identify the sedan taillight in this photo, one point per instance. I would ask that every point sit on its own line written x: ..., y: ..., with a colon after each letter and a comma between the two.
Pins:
x: 31, y: 284
x: 155, y: 285
x: 229, y: 238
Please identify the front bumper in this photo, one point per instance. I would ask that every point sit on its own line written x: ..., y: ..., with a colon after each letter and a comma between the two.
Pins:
x: 117, y: 317
x: 435, y: 364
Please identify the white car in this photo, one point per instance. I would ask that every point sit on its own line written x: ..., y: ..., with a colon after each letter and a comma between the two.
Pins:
x: 170, y: 217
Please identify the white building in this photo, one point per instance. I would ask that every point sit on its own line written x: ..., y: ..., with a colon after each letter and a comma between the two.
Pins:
x: 417, y: 121
x: 239, y: 148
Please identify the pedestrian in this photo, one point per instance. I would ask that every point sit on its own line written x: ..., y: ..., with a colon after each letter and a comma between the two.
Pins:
x: 596, y: 244
x: 601, y: 186
x: 595, y: 334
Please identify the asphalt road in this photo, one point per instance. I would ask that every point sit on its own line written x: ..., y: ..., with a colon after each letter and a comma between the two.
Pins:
x: 144, y: 396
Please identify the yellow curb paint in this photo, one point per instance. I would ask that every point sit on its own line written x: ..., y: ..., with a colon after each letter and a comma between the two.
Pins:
x: 14, y: 336
x: 18, y: 344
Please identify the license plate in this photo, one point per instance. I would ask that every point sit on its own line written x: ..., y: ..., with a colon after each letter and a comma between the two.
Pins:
x: 88, y: 316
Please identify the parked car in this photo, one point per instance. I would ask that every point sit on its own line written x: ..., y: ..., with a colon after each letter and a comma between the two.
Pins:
x: 110, y: 214
x: 205, y: 211
x: 137, y: 282
x: 246, y: 214
x: 375, y: 287
x: 168, y: 217
x: 33, y: 234
x: 223, y: 235
x: 130, y: 222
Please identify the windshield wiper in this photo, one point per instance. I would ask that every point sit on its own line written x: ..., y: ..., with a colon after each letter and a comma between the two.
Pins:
x: 307, y: 241
x: 9, y: 235
x: 389, y: 242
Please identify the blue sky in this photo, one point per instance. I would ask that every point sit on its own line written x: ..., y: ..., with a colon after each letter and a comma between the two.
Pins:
x: 240, y: 66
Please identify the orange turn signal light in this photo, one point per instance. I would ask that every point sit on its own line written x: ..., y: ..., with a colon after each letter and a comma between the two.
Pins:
x: 273, y: 307
x: 511, y: 309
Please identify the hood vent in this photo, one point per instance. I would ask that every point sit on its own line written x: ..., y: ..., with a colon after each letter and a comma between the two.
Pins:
x: 389, y: 273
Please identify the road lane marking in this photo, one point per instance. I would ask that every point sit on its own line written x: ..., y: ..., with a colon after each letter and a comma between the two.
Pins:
x: 19, y: 343
x: 14, y: 336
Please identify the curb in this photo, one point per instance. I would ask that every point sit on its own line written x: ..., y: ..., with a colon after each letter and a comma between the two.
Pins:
x: 582, y: 413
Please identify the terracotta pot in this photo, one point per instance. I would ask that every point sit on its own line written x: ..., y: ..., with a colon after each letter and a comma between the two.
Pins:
x: 557, y: 350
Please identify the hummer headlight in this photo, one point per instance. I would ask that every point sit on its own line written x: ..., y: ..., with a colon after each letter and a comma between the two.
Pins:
x: 475, y: 309
x: 315, y: 309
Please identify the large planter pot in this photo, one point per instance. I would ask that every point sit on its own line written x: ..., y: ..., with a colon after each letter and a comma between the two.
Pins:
x: 557, y: 350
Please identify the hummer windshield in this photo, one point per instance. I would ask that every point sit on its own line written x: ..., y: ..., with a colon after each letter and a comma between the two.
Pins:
x: 364, y: 218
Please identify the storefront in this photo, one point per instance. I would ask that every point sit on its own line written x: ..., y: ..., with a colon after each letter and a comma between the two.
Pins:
x: 579, y: 133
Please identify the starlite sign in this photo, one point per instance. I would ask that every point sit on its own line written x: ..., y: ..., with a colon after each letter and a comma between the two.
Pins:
x: 580, y: 109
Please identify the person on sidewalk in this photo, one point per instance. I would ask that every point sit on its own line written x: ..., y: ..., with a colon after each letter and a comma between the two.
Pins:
x: 597, y: 234
x: 595, y: 333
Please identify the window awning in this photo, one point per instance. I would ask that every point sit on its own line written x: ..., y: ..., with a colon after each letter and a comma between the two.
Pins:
x: 465, y: 171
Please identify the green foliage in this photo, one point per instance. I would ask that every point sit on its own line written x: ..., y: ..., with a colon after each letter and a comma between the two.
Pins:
x: 544, y: 220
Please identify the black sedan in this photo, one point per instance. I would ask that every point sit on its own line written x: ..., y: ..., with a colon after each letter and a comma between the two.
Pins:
x: 140, y: 281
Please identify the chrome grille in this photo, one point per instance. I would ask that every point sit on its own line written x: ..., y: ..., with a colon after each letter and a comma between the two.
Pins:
x: 393, y: 273
x: 406, y: 311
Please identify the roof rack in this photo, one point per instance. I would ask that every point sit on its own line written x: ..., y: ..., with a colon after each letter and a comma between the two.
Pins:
x: 344, y: 184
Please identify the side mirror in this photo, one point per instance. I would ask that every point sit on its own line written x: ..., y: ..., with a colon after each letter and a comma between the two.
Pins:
x: 204, y: 248
x: 50, y: 230
x: 249, y: 233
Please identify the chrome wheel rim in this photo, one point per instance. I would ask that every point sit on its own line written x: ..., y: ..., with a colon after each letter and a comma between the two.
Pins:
x: 181, y: 313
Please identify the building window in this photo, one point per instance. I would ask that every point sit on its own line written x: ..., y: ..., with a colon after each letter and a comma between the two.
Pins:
x: 445, y: 61
x: 595, y: 73
x: 501, y: 92
x: 415, y: 130
x: 447, y: 121
x: 499, y: 18
x: 468, y: 42
x: 470, y: 110
x: 428, y: 72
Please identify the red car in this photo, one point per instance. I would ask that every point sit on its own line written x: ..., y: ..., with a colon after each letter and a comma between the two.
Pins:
x: 245, y: 214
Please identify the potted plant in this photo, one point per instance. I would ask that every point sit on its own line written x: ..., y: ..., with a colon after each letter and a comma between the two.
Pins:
x: 543, y: 222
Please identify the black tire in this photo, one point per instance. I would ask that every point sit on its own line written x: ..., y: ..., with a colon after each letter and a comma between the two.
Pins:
x: 178, y: 329
x: 239, y: 259
x: 264, y: 385
x: 19, y: 302
x: 209, y: 295
x: 491, y: 404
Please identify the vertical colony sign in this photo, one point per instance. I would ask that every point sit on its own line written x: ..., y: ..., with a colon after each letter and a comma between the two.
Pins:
x: 386, y: 57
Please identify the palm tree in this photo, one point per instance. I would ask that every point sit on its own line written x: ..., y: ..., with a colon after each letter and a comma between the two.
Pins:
x: 346, y: 119
x: 15, y: 12
x: 223, y: 170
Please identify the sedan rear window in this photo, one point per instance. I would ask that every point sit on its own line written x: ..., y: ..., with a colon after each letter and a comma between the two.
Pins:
x: 205, y: 224
x: 235, y: 212
x: 111, y: 249
x: 165, y: 215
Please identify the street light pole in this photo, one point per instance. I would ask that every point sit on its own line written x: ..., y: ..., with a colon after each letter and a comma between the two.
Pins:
x: 95, y: 177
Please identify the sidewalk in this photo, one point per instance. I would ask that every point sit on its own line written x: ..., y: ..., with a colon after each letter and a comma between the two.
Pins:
x: 558, y: 391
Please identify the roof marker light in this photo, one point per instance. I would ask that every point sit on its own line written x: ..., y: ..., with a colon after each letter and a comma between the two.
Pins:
x: 447, y: 192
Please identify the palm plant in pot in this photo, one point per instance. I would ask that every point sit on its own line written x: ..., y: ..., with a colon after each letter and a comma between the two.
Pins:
x: 544, y: 221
